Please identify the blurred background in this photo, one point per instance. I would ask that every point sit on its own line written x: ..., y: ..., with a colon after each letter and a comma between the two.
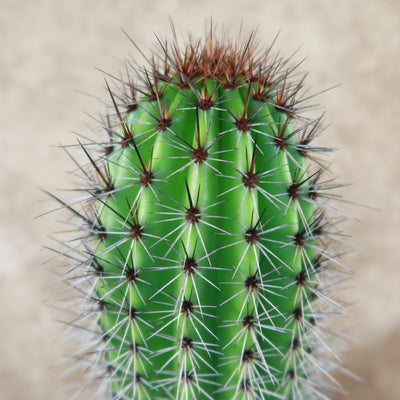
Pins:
x: 51, y: 49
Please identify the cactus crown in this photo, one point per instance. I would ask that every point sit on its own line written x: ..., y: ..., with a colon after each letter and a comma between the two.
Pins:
x: 205, y: 264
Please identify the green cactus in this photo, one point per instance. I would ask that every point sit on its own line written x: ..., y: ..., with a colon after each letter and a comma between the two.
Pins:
x: 204, y: 260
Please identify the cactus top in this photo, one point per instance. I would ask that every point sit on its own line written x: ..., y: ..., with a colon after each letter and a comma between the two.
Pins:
x: 207, y: 247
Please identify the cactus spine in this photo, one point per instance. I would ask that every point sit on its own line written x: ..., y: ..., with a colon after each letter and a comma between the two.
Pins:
x: 205, y: 267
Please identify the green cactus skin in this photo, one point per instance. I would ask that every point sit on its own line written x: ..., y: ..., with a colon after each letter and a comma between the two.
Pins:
x: 206, y: 268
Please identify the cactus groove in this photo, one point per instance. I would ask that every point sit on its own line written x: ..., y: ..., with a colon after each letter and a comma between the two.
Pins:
x: 204, y: 259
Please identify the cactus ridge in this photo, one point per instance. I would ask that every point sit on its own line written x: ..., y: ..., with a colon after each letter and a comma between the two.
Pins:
x: 204, y: 257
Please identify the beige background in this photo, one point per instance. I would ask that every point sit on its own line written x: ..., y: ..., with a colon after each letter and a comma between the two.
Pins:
x: 49, y: 49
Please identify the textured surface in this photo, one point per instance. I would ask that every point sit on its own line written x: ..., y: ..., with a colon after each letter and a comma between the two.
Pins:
x: 51, y: 45
x: 211, y: 254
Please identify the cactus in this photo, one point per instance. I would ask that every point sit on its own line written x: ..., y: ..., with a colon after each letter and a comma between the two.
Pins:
x: 203, y: 257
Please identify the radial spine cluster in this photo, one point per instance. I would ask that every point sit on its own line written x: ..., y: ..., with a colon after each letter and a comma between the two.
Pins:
x: 204, y: 259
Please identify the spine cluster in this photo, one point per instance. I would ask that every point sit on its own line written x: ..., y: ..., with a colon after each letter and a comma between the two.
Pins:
x: 204, y: 256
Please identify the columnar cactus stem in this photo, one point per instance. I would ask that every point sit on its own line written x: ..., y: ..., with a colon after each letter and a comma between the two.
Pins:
x: 206, y: 267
